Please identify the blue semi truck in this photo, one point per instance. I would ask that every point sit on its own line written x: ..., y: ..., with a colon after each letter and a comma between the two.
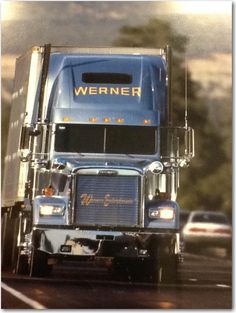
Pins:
x: 92, y: 163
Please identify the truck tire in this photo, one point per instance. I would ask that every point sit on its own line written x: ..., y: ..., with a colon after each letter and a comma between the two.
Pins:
x: 156, y: 271
x: 164, y: 272
x: 39, y: 264
x: 169, y: 270
x: 6, y: 242
x: 22, y: 264
x: 12, y: 259
x: 165, y: 264
x: 10, y: 227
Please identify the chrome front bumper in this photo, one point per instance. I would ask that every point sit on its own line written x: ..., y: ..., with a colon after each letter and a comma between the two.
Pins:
x: 73, y: 242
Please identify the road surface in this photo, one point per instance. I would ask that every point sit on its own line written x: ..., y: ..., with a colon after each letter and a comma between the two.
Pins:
x: 204, y: 283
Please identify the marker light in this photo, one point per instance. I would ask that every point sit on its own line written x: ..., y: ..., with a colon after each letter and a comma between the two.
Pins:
x: 106, y: 119
x: 93, y: 119
x: 146, y: 122
x: 66, y: 119
x: 120, y: 120
x: 48, y: 191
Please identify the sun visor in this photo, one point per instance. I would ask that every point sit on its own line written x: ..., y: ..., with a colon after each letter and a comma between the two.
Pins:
x: 112, y: 83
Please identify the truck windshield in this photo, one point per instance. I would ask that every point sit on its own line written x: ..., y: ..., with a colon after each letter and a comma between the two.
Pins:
x: 106, y: 139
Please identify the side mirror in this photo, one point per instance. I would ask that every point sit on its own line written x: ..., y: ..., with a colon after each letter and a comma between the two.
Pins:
x: 26, y: 133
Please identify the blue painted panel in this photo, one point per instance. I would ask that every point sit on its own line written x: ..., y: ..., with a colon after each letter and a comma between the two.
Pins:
x: 145, y: 92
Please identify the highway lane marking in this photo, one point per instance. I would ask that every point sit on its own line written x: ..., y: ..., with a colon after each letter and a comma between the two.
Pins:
x: 192, y: 279
x: 222, y: 286
x: 32, y: 303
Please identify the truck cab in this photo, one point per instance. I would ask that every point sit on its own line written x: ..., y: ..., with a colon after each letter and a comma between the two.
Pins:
x: 97, y: 161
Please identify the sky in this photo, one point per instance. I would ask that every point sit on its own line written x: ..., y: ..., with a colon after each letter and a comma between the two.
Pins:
x: 96, y: 23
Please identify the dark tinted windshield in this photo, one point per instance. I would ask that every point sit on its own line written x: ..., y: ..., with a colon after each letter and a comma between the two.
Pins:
x: 210, y: 218
x: 105, y: 139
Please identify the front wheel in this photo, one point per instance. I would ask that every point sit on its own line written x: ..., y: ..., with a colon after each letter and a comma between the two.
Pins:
x: 170, y: 269
x: 9, y: 233
x: 21, y: 263
x: 165, y: 270
x: 39, y: 264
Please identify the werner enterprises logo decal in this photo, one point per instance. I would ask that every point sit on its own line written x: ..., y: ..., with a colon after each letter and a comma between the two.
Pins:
x: 87, y: 199
x: 115, y: 91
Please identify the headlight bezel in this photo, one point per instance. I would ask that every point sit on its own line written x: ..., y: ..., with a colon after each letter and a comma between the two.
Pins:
x: 162, y: 213
x: 51, y: 209
x: 55, y: 207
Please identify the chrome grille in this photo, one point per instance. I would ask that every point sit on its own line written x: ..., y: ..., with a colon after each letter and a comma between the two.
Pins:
x: 107, y: 200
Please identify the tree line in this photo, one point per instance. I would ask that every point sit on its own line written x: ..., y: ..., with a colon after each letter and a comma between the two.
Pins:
x: 207, y: 183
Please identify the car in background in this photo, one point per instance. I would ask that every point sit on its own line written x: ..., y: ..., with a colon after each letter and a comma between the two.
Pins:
x: 207, y: 229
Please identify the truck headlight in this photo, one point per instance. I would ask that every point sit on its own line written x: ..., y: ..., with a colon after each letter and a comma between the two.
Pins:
x: 54, y: 210
x: 163, y: 213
